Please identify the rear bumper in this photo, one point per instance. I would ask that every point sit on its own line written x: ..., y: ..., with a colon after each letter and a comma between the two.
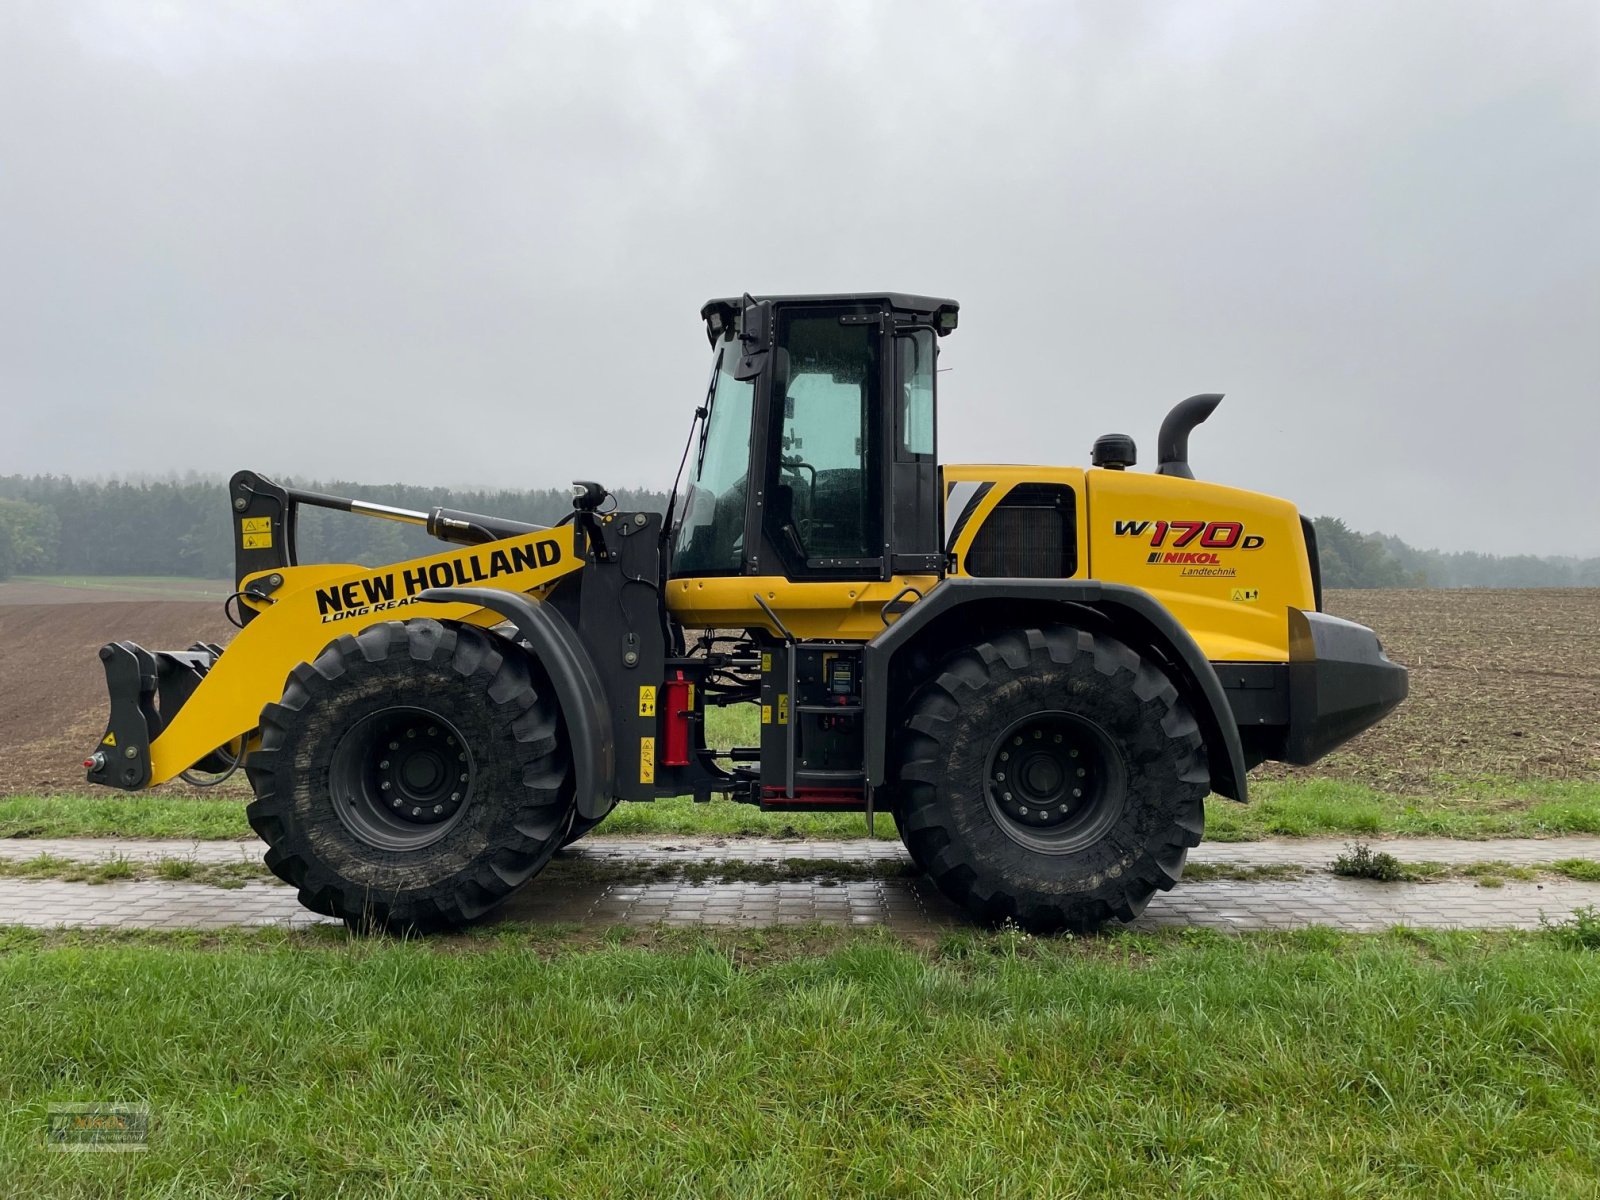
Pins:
x: 1337, y: 682
x: 1340, y: 683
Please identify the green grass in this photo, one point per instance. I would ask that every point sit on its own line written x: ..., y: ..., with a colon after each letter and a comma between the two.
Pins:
x: 806, y: 1063
x: 1581, y: 869
x: 1325, y: 807
x: 118, y: 868
x: 1278, y: 808
x: 111, y: 814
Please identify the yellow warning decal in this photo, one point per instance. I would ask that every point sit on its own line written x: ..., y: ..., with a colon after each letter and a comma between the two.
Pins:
x: 255, y: 533
x: 109, y: 740
x: 1245, y: 595
x: 766, y: 662
x: 766, y: 714
x: 690, y: 700
x: 783, y: 708
x: 647, y: 700
x: 647, y: 760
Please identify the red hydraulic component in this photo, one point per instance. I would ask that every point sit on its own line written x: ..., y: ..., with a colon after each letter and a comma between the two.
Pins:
x: 677, y: 702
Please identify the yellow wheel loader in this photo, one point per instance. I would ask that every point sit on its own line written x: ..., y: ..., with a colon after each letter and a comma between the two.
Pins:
x: 1040, y: 673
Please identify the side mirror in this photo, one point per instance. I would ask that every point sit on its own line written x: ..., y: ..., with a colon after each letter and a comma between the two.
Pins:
x: 755, y: 338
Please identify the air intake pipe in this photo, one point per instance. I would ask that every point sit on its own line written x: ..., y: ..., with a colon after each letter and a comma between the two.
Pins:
x: 1172, y: 443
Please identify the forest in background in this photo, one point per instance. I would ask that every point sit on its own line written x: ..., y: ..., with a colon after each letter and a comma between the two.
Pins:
x: 52, y: 525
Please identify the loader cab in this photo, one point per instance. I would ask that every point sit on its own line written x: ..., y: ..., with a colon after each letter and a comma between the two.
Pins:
x: 815, y: 461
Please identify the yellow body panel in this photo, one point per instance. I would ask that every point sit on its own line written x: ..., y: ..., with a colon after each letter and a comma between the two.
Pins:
x: 316, y: 604
x: 850, y: 612
x: 1241, y: 567
x: 1227, y: 563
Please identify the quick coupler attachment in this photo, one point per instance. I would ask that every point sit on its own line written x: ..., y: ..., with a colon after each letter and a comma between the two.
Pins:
x: 146, y: 689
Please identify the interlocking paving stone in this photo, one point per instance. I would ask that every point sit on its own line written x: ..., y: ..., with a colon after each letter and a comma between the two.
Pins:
x: 1311, y: 852
x: 911, y: 904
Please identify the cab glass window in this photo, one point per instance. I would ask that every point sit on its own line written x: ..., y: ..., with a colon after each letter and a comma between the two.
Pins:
x: 710, y: 533
x: 825, y: 386
x: 915, y: 355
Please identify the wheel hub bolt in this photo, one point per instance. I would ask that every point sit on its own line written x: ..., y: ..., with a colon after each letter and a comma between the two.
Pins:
x: 1000, y: 775
x: 454, y: 796
x: 1081, y: 772
x: 463, y: 777
x: 416, y: 812
x: 1077, y: 791
x: 411, y: 733
x: 438, y: 808
x: 384, y: 765
x: 433, y: 731
x: 1023, y: 811
x: 387, y: 785
x: 394, y: 745
x: 1008, y: 796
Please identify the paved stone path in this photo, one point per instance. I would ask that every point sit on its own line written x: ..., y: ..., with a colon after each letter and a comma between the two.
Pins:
x: 1307, y: 852
x: 909, y: 904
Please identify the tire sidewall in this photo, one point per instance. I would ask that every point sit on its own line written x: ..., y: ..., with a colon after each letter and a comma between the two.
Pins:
x: 428, y: 687
x: 973, y: 700
x: 1151, y: 766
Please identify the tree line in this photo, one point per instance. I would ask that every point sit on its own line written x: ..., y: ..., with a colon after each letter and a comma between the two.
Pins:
x: 53, y: 525
x: 1377, y: 560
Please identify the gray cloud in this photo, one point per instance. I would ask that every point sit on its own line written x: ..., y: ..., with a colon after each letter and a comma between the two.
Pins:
x: 467, y: 243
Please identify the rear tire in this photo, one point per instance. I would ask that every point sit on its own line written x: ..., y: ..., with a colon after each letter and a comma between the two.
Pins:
x: 1053, y: 778
x: 905, y: 840
x: 412, y: 776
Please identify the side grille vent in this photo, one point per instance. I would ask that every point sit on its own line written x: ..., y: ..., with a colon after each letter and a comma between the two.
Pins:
x: 1032, y: 534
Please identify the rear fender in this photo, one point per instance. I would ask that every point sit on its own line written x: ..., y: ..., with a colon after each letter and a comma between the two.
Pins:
x: 1129, y: 610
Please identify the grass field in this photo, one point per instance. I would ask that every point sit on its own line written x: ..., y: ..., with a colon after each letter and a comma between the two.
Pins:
x: 1278, y: 808
x: 810, y: 1063
x: 1302, y: 806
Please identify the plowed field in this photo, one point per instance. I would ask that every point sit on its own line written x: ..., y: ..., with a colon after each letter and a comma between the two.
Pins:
x: 1505, y: 685
x: 53, y: 698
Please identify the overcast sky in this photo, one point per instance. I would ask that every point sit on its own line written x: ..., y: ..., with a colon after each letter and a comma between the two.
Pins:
x: 466, y: 243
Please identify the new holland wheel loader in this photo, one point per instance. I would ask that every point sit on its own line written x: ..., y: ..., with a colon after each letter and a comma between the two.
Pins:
x: 1040, y: 673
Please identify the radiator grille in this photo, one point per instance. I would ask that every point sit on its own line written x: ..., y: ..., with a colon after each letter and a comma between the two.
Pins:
x: 1032, y: 534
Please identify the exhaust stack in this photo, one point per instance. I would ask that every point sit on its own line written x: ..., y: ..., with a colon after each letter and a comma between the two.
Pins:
x: 1172, y: 443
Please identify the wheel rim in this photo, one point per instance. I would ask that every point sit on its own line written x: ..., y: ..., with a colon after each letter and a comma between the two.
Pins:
x: 401, y: 778
x: 1055, y: 782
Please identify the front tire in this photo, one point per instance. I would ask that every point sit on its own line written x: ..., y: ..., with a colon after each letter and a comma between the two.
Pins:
x: 412, y: 776
x: 1051, y: 777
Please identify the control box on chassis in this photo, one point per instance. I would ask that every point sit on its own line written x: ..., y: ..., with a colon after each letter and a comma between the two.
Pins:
x: 1038, y: 673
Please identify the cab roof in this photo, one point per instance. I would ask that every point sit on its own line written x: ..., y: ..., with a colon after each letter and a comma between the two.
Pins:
x: 728, y: 308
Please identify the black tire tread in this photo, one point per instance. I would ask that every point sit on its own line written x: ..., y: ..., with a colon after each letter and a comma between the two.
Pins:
x: 543, y: 815
x: 964, y: 680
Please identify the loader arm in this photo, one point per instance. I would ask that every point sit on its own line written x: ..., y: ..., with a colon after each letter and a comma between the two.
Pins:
x: 155, y: 733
